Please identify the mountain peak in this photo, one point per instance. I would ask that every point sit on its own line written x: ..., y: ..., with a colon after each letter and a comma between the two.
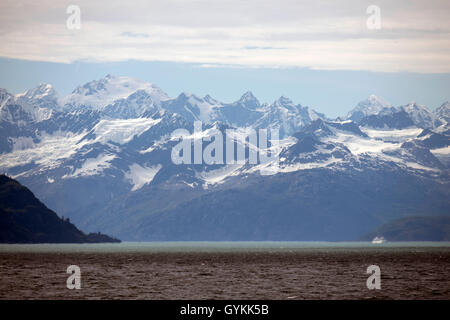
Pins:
x: 282, y: 101
x: 444, y: 106
x: 415, y: 106
x: 421, y: 115
x: 186, y: 95
x: 249, y: 100
x: 247, y: 96
x: 375, y: 98
x: 210, y: 99
x: 443, y: 112
x: 371, y: 106
x: 43, y: 96
x: 41, y: 91
x: 4, y: 95
x: 97, y: 94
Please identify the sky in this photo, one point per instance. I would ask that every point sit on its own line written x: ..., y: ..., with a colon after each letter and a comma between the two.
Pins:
x: 325, y: 54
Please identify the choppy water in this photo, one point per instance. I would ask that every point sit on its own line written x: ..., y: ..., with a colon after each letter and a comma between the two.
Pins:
x: 226, y: 270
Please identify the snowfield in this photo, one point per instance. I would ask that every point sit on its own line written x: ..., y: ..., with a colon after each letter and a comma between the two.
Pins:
x: 358, y: 145
x: 139, y: 176
x: 93, y: 166
x: 122, y: 131
x: 392, y: 135
x: 99, y: 94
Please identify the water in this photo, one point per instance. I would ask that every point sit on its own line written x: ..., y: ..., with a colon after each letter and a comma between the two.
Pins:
x: 226, y: 270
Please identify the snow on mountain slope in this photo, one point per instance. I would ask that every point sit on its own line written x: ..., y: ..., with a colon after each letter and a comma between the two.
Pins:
x: 443, y: 112
x: 47, y: 154
x: 372, y: 105
x: 141, y: 175
x: 243, y: 112
x: 92, y: 166
x: 332, y: 161
x: 121, y: 131
x: 205, y: 111
x: 443, y: 154
x: 128, y: 98
x: 113, y: 153
x: 126, y: 103
x: 32, y: 106
x: 442, y: 151
x: 22, y: 143
x: 358, y: 145
x: 421, y: 115
x: 284, y: 115
x: 338, y: 146
x: 13, y: 113
x: 217, y: 176
x: 53, y: 150
x: 98, y: 94
x: 133, y: 106
x: 194, y: 108
x: 5, y: 96
x: 393, y: 135
x: 42, y: 96
x: 249, y: 101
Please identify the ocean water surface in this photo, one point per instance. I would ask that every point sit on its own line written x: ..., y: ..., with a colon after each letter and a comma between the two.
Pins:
x: 226, y: 270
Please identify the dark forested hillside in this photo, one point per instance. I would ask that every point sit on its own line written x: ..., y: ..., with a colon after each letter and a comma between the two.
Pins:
x: 24, y: 219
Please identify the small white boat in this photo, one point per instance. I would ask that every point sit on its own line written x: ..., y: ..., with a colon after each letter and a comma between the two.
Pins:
x: 379, y: 240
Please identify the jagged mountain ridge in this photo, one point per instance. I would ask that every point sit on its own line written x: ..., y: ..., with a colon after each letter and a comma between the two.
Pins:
x: 108, y: 166
x: 418, y: 114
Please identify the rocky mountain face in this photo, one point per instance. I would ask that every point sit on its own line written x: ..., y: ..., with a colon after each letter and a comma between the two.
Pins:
x: 103, y: 156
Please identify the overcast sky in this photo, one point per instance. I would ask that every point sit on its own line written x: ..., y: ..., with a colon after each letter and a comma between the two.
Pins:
x: 414, y: 35
x: 241, y: 35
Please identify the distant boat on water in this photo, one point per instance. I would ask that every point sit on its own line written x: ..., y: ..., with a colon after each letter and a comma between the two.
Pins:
x: 379, y: 240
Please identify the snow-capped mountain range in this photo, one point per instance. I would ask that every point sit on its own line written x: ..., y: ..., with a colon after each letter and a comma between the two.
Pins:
x: 102, y: 156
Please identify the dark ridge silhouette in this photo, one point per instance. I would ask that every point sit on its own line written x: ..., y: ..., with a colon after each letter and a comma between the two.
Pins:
x: 24, y: 219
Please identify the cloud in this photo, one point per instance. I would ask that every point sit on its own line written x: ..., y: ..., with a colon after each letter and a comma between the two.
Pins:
x: 415, y: 35
x: 262, y: 48
x: 134, y: 35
